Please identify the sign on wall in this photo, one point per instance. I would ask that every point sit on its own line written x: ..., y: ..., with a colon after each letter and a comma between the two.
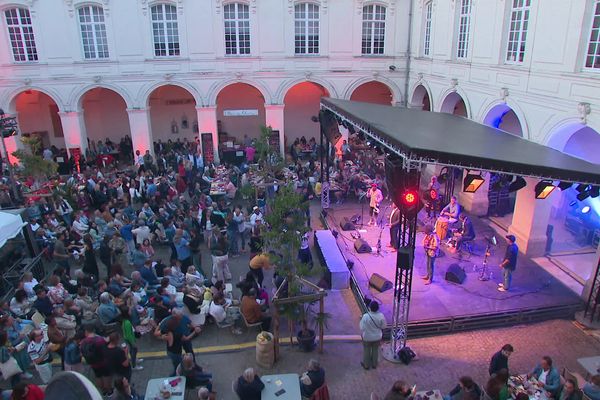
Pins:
x: 240, y: 113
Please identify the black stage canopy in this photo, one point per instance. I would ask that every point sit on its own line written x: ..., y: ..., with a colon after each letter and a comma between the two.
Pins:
x: 446, y: 139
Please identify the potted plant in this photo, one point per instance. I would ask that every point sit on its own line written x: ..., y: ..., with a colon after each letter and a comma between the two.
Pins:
x: 32, y: 164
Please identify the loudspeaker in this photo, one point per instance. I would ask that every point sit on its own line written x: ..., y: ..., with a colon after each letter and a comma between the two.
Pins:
x: 455, y: 274
x: 361, y: 246
x: 380, y: 283
x: 404, y: 258
x: 347, y: 225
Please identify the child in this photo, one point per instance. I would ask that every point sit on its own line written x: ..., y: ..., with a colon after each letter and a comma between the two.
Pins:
x: 129, y: 337
x: 73, y: 354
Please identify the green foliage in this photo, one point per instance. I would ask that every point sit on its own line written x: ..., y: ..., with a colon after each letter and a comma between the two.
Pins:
x: 248, y: 192
x: 269, y: 159
x: 68, y: 191
x: 31, y: 163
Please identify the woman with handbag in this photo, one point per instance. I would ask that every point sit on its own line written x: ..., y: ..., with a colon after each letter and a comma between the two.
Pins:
x: 372, y: 324
x: 9, y: 366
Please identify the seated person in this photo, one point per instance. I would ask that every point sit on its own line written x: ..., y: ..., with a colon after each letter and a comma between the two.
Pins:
x: 42, y: 302
x: 592, y: 388
x: 451, y: 211
x: 570, y: 391
x: 107, y: 311
x: 252, y: 312
x: 497, y: 386
x: 312, y: 379
x: 193, y: 373
x: 161, y: 311
x: 465, y: 390
x: 20, y: 306
x: 547, y: 376
x: 399, y: 391
x: 249, y: 386
x: 466, y: 231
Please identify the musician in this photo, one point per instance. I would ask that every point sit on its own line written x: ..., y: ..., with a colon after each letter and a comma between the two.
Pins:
x: 394, y: 227
x: 466, y: 231
x: 432, y: 204
x: 451, y: 211
x: 375, y: 197
x: 431, y: 244
x: 509, y: 263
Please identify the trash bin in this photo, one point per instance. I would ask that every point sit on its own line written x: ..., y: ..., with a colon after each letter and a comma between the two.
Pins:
x: 265, y: 350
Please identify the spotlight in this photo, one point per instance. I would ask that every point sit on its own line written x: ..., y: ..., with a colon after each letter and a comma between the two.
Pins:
x: 595, y: 192
x: 472, y: 182
x: 518, y: 184
x: 582, y: 188
x: 543, y: 189
x: 573, y: 203
x: 585, y: 210
x: 443, y: 176
x: 392, y: 68
x: 564, y: 185
x: 410, y: 203
x: 583, y: 195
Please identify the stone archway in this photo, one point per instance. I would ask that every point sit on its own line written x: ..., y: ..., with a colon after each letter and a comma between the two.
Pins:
x: 453, y: 103
x: 420, y: 99
x: 240, y: 111
x: 301, y: 103
x: 373, y: 92
x: 503, y: 117
x: 172, y: 114
x: 105, y: 116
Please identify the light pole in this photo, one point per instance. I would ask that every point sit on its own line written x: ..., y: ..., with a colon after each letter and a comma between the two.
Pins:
x: 8, y: 127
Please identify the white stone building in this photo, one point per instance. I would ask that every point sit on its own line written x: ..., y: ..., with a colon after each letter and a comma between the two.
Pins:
x: 79, y: 70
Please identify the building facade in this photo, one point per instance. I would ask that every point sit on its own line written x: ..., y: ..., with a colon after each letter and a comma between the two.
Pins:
x: 75, y: 70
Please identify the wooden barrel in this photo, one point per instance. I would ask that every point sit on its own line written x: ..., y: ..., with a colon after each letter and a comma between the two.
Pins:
x: 265, y: 350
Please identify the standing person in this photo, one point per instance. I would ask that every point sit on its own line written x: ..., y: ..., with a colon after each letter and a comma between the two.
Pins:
x: 509, y: 263
x: 39, y: 352
x: 219, y: 250
x: 431, y: 244
x: 394, y: 227
x: 372, y: 324
x: 129, y: 338
x: 93, y: 349
x: 500, y: 359
x: 116, y: 357
x: 90, y: 265
x: 182, y: 247
x: 256, y: 242
x: 173, y: 339
x: 73, y: 354
x: 61, y: 255
x: 240, y: 219
x: 375, y: 197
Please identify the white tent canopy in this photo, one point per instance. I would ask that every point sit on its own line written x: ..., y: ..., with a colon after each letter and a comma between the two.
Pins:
x: 10, y: 226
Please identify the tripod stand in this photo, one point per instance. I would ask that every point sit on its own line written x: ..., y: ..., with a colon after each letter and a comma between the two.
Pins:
x: 484, y: 274
x: 381, y: 226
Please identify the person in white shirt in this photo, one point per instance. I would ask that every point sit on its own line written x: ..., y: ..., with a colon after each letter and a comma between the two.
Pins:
x: 29, y: 282
x: 142, y: 232
x: 240, y: 219
x: 375, y: 197
x: 372, y: 324
x: 256, y: 216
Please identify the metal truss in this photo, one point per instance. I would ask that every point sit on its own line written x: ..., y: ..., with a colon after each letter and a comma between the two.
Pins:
x: 593, y: 300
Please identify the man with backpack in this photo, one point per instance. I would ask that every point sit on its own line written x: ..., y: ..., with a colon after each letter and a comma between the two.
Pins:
x: 93, y: 349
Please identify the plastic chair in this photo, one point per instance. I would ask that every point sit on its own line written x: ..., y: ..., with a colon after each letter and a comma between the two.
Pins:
x: 248, y: 324
x: 321, y: 393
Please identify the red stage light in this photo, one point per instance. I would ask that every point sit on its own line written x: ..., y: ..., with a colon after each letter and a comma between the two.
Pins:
x: 409, y: 198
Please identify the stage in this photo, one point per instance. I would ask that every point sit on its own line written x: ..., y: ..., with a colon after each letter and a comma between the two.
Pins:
x: 445, y: 306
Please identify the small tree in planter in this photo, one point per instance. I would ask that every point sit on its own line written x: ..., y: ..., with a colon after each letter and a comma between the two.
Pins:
x: 287, y: 224
x: 32, y: 164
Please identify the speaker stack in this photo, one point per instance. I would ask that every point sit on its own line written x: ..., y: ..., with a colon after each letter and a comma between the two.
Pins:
x: 347, y: 225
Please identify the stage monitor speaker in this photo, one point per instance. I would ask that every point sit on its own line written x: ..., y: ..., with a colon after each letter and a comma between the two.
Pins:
x: 380, y: 283
x: 361, y: 246
x: 347, y: 225
x: 456, y: 274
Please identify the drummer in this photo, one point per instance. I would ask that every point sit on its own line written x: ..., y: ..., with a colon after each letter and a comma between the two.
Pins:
x: 451, y: 211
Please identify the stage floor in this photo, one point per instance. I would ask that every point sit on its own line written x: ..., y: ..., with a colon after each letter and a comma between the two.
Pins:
x: 532, y: 286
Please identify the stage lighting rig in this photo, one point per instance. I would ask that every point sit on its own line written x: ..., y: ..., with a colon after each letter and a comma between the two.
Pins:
x: 565, y: 185
x: 518, y: 184
x: 543, y: 189
x: 472, y: 182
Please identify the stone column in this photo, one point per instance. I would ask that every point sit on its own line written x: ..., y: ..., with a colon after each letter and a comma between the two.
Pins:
x: 274, y: 119
x: 530, y: 220
x: 74, y: 130
x: 475, y: 203
x: 207, y: 123
x: 141, y: 134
